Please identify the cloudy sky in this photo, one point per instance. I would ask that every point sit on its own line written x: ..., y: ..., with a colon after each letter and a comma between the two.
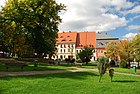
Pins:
x: 118, y: 18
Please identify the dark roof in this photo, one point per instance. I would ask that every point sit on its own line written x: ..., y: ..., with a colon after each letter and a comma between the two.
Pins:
x: 100, y: 36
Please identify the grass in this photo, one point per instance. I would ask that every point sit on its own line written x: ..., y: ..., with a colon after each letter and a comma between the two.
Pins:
x: 31, y: 67
x: 70, y: 83
x: 87, y: 67
x: 125, y: 70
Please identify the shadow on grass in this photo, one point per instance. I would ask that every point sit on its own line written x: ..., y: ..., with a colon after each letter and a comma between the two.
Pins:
x: 124, y: 81
x: 70, y: 75
x: 32, y: 68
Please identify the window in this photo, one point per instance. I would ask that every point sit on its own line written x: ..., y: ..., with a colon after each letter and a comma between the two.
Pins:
x: 61, y: 50
x: 63, y: 40
x: 102, y: 51
x: 100, y: 44
x: 61, y: 57
x: 64, y: 46
x: 77, y: 51
x: 68, y: 45
x: 71, y: 50
x: 68, y: 50
x: 61, y: 46
x: 72, y: 45
x: 64, y: 50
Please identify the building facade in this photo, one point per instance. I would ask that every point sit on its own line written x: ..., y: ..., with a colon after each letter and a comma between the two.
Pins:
x: 101, y: 41
x: 71, y: 43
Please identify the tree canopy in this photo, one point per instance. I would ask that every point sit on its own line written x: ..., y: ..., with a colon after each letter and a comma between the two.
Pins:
x: 33, y: 23
x: 135, y: 44
x: 119, y: 50
x: 86, y: 54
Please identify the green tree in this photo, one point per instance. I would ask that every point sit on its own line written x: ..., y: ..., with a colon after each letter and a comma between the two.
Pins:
x: 135, y: 44
x: 120, y: 49
x: 125, y: 51
x: 38, y: 19
x: 86, y: 54
x: 112, y: 50
x: 103, y: 64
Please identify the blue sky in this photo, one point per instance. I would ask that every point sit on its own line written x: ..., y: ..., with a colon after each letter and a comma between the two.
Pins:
x: 118, y: 18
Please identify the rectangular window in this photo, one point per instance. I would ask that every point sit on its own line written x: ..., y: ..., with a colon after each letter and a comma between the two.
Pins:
x: 61, y: 46
x: 68, y: 45
x: 102, y: 51
x: 77, y: 51
x: 71, y: 50
x: 64, y: 46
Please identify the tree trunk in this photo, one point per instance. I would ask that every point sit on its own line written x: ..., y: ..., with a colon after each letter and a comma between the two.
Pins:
x: 100, y: 78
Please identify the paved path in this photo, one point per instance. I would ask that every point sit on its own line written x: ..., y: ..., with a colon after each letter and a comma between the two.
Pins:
x: 4, y: 74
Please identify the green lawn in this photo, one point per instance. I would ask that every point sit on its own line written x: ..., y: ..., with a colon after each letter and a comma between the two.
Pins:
x: 31, y: 67
x: 87, y: 67
x: 70, y: 83
x: 125, y: 70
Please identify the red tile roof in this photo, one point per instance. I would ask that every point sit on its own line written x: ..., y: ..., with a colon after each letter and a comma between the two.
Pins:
x: 87, y: 39
x: 66, y: 37
x: 81, y: 39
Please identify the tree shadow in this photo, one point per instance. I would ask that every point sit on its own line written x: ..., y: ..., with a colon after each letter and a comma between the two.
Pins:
x: 125, y: 81
x: 70, y: 75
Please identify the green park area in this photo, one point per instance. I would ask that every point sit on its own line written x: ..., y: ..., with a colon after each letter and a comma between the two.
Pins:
x: 33, y: 60
x: 70, y: 83
x: 81, y: 82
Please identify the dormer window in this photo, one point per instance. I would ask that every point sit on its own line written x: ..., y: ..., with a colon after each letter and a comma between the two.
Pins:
x: 100, y: 43
x: 63, y: 40
x: 61, y: 36
x: 68, y: 36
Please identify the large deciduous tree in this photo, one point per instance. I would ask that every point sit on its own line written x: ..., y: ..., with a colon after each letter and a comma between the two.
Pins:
x: 125, y: 51
x: 135, y: 44
x: 120, y: 49
x: 38, y: 21
x: 112, y: 50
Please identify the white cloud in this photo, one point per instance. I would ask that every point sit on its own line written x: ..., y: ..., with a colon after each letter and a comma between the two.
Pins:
x: 129, y: 36
x: 90, y: 15
x: 2, y: 3
x: 133, y: 27
x: 122, y: 4
x: 134, y: 10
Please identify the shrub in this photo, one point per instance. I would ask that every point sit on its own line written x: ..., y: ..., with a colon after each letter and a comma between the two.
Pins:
x: 112, y: 63
x: 123, y: 64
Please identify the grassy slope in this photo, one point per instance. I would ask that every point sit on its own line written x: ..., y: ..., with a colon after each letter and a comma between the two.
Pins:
x: 70, y: 83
